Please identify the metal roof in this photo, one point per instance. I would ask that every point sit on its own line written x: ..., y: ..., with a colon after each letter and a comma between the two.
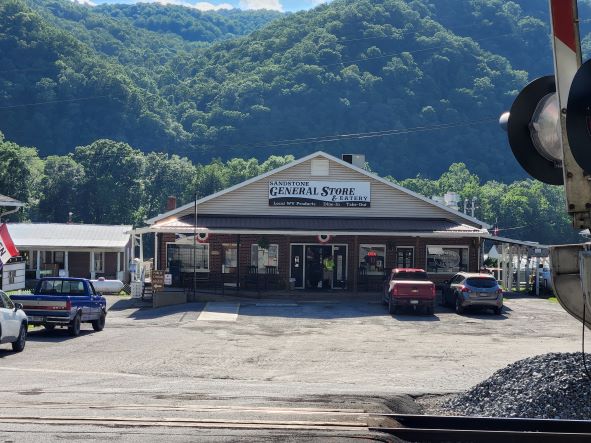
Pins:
x: 321, y: 224
x: 9, y: 201
x: 179, y: 210
x: 56, y: 235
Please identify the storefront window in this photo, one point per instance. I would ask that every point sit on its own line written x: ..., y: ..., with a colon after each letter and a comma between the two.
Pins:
x: 261, y: 258
x: 372, y: 258
x: 180, y: 257
x: 405, y: 257
x: 447, y: 259
x: 230, y: 257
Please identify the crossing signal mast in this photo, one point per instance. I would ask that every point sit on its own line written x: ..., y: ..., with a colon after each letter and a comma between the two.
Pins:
x: 549, y: 130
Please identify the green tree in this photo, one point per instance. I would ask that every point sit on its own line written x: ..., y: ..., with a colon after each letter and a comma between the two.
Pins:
x: 60, y: 189
x: 111, y: 191
x: 21, y: 171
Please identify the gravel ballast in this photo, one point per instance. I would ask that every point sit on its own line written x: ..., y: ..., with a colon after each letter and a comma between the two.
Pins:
x: 552, y: 385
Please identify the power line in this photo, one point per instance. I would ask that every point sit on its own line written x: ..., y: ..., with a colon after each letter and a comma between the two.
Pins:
x: 352, y: 136
x: 56, y: 101
x: 432, y: 48
x: 363, y: 135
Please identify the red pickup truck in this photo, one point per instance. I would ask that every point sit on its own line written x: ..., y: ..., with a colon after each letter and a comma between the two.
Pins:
x: 408, y: 287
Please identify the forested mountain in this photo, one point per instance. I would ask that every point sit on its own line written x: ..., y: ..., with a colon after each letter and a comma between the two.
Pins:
x: 435, y: 75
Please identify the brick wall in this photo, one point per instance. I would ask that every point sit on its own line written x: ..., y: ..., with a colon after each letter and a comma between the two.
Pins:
x: 284, y: 241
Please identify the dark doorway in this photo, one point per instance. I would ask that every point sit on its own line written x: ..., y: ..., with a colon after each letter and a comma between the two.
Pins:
x: 319, y: 270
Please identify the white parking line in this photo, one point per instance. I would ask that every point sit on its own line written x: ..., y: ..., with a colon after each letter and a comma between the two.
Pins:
x: 219, y: 311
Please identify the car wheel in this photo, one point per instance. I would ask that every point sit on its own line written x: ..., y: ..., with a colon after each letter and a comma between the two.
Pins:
x: 49, y: 327
x: 459, y: 307
x: 20, y: 342
x: 392, y: 309
x: 74, y: 328
x: 99, y: 324
x: 499, y: 310
x: 430, y: 310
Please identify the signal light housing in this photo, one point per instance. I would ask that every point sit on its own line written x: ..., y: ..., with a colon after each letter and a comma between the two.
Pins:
x: 578, y: 117
x: 533, y: 126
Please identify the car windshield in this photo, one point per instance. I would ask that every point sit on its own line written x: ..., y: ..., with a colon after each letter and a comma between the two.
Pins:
x: 482, y: 282
x: 61, y: 287
x: 405, y: 275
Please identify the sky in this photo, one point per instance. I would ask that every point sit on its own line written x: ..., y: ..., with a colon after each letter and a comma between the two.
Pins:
x: 210, y: 5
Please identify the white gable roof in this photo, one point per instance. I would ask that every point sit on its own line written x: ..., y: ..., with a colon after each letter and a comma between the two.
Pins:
x: 55, y: 235
x: 189, y: 206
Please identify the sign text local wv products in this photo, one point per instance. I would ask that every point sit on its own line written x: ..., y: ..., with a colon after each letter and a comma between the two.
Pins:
x: 319, y: 193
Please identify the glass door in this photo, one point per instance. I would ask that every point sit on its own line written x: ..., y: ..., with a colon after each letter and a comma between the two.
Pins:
x: 340, y: 267
x: 297, y: 265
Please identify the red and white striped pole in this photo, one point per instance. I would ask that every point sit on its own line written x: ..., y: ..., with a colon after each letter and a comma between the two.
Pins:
x: 566, y: 47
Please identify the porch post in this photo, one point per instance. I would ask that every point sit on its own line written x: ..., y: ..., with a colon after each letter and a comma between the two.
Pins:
x: 38, y: 272
x: 118, y: 264
x: 155, y: 250
x: 355, y: 263
x: 142, y: 248
x: 66, y: 264
x: 92, y: 271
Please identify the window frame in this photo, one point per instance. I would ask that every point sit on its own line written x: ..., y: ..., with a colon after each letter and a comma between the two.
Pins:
x: 262, y: 269
x: 373, y: 246
x: 190, y: 246
x: 464, y: 246
x: 413, y: 257
x: 225, y: 247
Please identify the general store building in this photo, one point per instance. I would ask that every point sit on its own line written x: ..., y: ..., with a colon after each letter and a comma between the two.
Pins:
x: 292, y: 222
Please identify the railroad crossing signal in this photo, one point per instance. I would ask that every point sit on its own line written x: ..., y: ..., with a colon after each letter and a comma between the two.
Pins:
x: 541, y: 130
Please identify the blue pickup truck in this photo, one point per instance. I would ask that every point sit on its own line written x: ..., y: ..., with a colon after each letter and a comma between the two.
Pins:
x: 67, y: 302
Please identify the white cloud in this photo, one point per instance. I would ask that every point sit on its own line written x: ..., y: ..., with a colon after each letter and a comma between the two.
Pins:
x: 273, y: 5
x: 84, y: 2
x: 206, y: 6
x: 202, y: 6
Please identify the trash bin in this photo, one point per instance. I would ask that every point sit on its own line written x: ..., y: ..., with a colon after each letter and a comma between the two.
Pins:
x: 292, y: 284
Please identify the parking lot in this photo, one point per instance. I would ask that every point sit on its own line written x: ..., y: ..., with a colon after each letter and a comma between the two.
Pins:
x: 349, y: 352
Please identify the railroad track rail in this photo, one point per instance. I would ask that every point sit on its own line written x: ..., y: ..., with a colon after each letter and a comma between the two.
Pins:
x: 434, y: 428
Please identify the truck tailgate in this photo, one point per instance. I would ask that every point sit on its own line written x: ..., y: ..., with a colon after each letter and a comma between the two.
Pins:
x: 408, y: 288
x: 39, y: 305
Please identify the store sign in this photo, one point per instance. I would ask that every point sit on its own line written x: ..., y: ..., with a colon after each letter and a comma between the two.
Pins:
x: 319, y: 193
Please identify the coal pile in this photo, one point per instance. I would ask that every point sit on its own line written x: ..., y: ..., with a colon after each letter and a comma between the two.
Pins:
x: 552, y: 385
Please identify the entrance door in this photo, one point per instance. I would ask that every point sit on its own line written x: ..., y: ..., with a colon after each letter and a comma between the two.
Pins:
x: 340, y: 267
x: 314, y: 269
x: 297, y: 265
x: 318, y: 267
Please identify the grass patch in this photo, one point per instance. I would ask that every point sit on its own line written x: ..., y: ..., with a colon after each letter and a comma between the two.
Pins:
x: 552, y: 299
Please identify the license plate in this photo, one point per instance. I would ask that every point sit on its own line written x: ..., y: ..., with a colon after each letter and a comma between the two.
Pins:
x: 414, y: 302
x: 35, y: 318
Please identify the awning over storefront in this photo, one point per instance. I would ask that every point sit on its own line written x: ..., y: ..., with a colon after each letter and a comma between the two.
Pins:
x: 313, y: 225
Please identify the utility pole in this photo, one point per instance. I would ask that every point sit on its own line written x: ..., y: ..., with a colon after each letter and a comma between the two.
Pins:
x: 473, y: 205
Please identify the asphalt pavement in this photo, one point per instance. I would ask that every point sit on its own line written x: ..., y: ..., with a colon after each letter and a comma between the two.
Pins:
x: 273, y: 369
